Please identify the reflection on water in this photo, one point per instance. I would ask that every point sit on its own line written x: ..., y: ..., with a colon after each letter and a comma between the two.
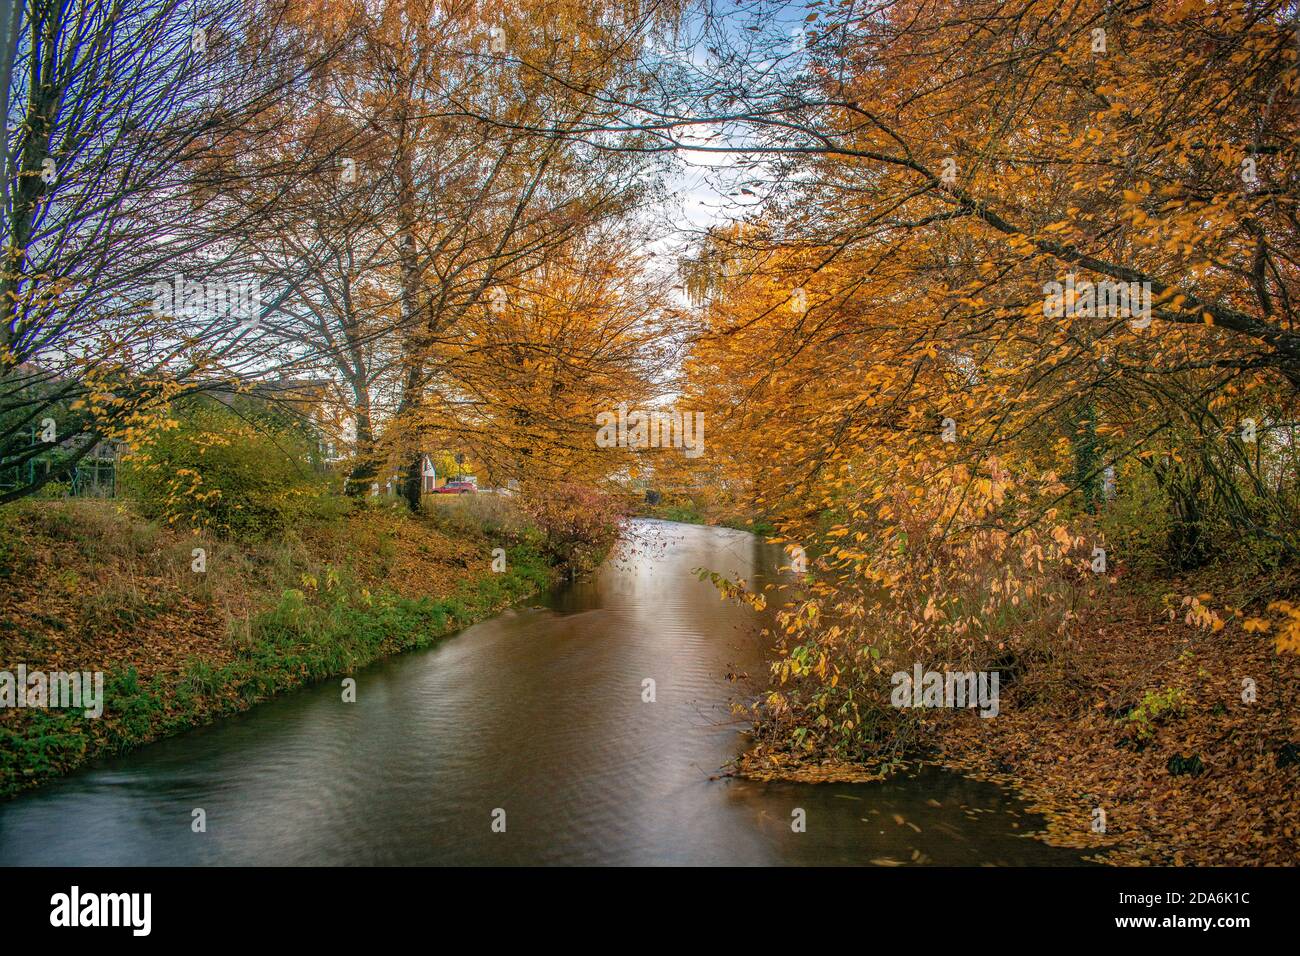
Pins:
x: 538, y: 712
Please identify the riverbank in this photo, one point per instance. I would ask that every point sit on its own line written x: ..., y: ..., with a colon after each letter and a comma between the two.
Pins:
x: 540, y: 711
x: 1141, y: 717
x: 687, y: 512
x: 185, y: 636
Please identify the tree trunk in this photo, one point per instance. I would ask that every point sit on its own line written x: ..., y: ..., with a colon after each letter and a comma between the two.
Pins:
x: 366, y: 469
x: 414, y: 477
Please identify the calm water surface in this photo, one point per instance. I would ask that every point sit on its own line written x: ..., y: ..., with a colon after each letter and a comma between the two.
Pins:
x: 538, y: 712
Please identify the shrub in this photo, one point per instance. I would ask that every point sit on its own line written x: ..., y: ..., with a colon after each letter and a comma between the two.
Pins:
x: 910, y: 579
x: 581, y: 523
x: 236, y: 470
x: 1155, y: 708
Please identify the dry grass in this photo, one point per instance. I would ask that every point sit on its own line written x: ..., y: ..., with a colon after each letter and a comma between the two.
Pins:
x: 89, y: 584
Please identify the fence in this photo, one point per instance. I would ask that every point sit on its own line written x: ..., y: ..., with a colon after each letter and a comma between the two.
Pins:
x: 94, y: 477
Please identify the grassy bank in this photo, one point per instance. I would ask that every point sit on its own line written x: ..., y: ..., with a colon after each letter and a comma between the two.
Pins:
x: 91, y: 586
x: 688, y: 512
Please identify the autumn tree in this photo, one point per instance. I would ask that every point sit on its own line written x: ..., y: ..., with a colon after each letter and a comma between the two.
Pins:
x: 473, y: 190
x: 120, y: 119
x: 1011, y: 261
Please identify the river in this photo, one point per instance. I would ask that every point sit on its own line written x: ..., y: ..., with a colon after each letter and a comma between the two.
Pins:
x: 539, y: 713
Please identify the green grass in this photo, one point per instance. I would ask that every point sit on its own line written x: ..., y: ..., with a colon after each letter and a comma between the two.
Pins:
x: 303, y: 639
x: 759, y: 526
x: 686, y: 513
x: 690, y: 513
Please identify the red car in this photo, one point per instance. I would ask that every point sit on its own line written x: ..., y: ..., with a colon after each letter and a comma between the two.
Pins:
x: 458, y: 488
